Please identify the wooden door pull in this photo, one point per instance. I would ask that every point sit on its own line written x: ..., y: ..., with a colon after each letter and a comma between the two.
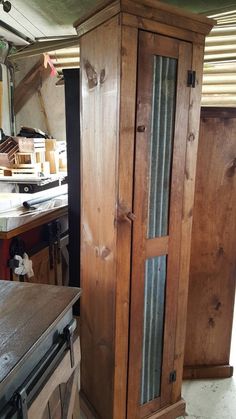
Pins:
x: 141, y: 128
x: 131, y: 216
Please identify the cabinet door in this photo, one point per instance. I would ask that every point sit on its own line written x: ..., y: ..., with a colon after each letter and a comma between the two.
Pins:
x: 162, y: 125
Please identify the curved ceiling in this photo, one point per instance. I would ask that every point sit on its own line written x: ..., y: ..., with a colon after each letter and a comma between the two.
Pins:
x: 206, y: 7
x: 44, y: 18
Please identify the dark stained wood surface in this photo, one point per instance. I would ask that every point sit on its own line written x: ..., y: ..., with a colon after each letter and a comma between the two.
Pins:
x: 27, y: 313
x: 209, y: 372
x: 43, y: 274
x: 213, y: 262
x: 100, y: 73
x: 129, y: 48
x: 151, y: 45
x: 150, y: 9
x: 161, y: 28
x: 109, y: 45
x: 187, y: 215
x: 43, y: 219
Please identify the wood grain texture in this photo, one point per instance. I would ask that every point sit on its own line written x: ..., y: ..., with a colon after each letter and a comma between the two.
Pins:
x: 213, y: 267
x: 97, y: 18
x: 171, y: 412
x: 170, y: 15
x: 87, y: 411
x: 150, y: 45
x: 30, y: 84
x: 208, y: 372
x: 43, y: 274
x: 110, y: 223
x: 64, y: 373
x: 45, y: 306
x: 187, y: 214
x: 176, y: 208
x: 54, y: 404
x: 129, y: 51
x: 157, y: 246
x: 144, y: 105
x: 150, y: 9
x: 161, y: 28
x: 100, y: 67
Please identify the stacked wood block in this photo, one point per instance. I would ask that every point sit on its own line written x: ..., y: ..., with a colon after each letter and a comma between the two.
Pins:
x: 30, y: 157
x: 8, y: 149
x: 30, y: 160
x: 52, y: 155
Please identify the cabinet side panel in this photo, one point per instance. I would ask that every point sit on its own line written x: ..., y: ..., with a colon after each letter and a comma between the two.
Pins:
x: 100, y: 52
x: 213, y: 266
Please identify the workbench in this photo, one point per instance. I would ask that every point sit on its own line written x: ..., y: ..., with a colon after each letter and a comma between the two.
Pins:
x: 40, y: 353
x: 45, y: 240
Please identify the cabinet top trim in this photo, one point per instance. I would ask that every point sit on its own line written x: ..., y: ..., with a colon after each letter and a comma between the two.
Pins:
x: 149, y: 9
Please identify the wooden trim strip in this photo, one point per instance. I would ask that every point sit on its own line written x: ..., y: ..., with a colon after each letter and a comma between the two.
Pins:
x: 148, y: 408
x: 175, y: 224
x: 97, y: 18
x: 129, y: 46
x: 209, y: 372
x: 218, y: 112
x: 157, y: 247
x: 169, y: 8
x: 171, y: 412
x: 87, y: 410
x: 161, y: 28
x: 152, y: 9
x: 149, y: 9
x: 189, y: 188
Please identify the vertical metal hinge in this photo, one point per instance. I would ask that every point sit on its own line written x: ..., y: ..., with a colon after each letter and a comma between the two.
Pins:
x: 172, y: 377
x: 191, y: 78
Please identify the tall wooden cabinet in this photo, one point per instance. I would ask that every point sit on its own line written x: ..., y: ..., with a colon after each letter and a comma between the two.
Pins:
x: 141, y: 70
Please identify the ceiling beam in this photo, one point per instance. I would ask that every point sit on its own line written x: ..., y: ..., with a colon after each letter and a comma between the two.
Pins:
x: 30, y: 84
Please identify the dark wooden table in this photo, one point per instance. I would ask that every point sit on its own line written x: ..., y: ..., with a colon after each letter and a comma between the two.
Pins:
x: 31, y: 317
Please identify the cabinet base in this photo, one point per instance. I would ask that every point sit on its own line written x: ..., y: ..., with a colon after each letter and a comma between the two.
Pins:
x: 171, y: 412
x: 214, y: 371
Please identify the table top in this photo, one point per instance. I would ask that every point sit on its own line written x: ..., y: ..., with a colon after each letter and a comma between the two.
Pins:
x: 44, y: 218
x: 27, y: 313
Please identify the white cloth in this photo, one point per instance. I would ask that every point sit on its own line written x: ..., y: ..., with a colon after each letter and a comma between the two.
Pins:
x: 25, y: 266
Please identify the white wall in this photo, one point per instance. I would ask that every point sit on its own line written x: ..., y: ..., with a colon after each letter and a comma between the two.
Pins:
x: 31, y: 113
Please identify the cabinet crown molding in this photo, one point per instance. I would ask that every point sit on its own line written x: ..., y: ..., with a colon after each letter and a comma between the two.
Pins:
x: 147, y: 9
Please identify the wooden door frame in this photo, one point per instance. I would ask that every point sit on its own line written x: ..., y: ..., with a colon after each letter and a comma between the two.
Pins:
x: 169, y: 47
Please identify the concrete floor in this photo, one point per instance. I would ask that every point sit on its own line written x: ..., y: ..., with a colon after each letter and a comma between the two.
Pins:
x: 212, y: 399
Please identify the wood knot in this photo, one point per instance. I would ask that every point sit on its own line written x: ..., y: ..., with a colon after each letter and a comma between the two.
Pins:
x: 187, y: 175
x: 91, y: 75
x: 102, y: 76
x: 220, y: 251
x: 105, y: 253
x: 230, y: 172
x: 218, y: 306
x: 211, y: 322
x: 191, y: 137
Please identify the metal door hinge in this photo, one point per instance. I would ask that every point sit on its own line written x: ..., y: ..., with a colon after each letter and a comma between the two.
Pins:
x: 20, y: 403
x: 172, y: 377
x: 191, y: 78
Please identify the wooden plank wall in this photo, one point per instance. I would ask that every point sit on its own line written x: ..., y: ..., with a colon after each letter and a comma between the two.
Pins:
x: 213, y: 262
